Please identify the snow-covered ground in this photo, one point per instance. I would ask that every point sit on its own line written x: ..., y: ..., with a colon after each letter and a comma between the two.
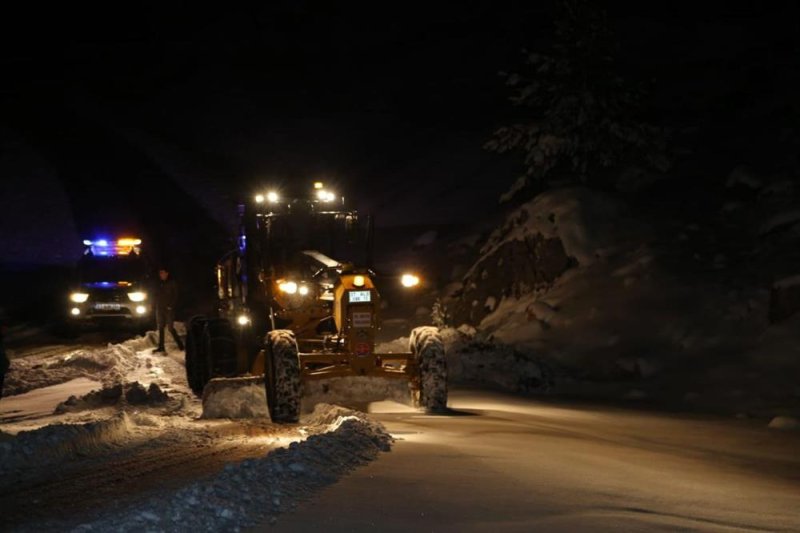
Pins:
x: 136, y: 453
x: 119, y: 425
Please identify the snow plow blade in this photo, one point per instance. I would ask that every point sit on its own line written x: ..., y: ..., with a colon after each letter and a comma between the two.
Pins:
x: 239, y: 397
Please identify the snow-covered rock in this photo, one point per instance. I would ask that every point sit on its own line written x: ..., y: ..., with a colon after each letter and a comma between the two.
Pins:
x: 539, y: 242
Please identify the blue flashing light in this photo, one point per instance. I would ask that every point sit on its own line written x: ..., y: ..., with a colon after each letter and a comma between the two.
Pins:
x: 106, y: 247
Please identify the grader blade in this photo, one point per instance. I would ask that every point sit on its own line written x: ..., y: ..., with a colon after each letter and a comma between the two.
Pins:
x: 239, y: 397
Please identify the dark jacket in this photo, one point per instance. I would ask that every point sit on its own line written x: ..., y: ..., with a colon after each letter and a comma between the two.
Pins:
x: 166, y: 295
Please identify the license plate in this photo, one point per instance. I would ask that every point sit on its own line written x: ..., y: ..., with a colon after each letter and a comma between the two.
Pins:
x: 359, y: 296
x: 107, y: 307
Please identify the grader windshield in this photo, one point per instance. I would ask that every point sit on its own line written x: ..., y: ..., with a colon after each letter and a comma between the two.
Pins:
x: 289, y: 240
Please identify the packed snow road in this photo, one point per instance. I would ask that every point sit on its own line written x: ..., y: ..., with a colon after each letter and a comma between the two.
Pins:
x: 501, y: 463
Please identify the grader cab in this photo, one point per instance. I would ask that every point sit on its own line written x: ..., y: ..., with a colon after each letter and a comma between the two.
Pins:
x: 289, y: 312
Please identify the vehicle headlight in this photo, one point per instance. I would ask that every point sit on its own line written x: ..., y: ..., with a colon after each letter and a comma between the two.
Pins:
x: 359, y: 281
x: 289, y: 287
x: 325, y: 196
x: 303, y: 290
x: 273, y: 197
x: 409, y: 280
x: 78, y: 297
x: 137, y: 296
x: 243, y: 320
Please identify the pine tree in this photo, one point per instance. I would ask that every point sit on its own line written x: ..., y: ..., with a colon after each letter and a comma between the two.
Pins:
x: 580, y: 120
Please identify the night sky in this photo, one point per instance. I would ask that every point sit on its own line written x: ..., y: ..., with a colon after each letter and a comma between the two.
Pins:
x: 387, y: 102
x: 325, y: 80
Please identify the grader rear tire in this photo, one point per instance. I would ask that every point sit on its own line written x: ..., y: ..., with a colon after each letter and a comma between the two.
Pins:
x: 219, y: 342
x: 196, y: 360
x: 282, y: 379
x: 428, y: 348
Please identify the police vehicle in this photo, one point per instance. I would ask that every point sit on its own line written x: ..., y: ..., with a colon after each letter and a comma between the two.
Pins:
x: 112, y: 279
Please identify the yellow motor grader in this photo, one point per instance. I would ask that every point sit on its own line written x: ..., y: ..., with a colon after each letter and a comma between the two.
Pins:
x: 290, y: 312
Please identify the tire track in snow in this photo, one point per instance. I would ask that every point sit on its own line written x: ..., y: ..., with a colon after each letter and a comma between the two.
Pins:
x: 120, y: 479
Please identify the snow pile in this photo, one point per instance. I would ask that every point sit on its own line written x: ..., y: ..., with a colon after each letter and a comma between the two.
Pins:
x: 111, y: 365
x: 355, y: 391
x: 119, y: 394
x: 108, y: 365
x: 55, y: 443
x: 258, y: 490
x: 473, y: 359
x: 235, y: 398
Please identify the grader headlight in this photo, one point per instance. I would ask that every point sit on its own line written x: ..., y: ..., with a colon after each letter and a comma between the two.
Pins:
x: 289, y: 287
x: 359, y: 281
x: 325, y: 196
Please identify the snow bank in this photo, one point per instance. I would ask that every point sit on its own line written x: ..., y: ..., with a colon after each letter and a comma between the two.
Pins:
x: 55, y: 443
x: 258, y: 490
x: 110, y: 365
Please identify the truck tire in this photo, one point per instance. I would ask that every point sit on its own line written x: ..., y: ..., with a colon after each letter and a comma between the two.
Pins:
x: 219, y: 342
x: 428, y: 348
x: 196, y: 361
x: 282, y: 378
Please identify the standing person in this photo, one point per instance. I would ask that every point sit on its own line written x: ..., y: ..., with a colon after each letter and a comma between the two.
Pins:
x: 165, y: 300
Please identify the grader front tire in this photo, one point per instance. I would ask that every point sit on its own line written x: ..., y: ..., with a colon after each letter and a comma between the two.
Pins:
x: 282, y: 378
x: 428, y: 348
